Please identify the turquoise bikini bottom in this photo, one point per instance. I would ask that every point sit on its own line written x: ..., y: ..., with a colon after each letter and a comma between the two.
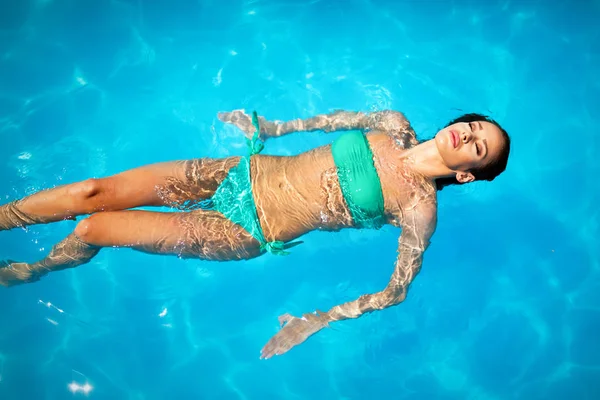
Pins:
x: 235, y: 200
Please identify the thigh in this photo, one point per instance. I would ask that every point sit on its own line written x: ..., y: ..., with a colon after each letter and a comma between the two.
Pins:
x: 200, y: 234
x: 137, y: 187
x: 194, y: 180
x: 178, y: 184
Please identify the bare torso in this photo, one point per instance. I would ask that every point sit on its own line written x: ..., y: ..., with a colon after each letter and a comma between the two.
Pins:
x: 297, y: 194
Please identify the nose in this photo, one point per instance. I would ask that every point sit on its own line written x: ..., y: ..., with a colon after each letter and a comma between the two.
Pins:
x: 466, y: 137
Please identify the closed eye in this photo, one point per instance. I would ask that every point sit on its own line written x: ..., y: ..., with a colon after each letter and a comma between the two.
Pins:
x: 477, y: 146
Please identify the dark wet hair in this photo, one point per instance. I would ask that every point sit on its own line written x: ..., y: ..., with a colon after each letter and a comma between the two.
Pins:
x: 491, y: 169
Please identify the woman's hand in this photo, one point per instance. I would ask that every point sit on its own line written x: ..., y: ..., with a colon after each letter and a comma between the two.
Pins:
x: 294, y: 331
x: 240, y: 119
x: 243, y: 121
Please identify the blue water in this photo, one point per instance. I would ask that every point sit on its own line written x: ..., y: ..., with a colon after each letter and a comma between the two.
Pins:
x: 507, y: 305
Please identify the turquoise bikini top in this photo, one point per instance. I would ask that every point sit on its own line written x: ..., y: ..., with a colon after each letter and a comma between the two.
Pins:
x: 359, y: 180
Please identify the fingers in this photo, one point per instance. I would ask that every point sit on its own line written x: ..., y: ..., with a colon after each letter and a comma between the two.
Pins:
x: 277, y: 346
x: 269, y: 350
x: 285, y: 339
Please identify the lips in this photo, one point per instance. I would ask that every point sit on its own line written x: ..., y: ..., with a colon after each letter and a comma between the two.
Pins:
x: 454, y: 138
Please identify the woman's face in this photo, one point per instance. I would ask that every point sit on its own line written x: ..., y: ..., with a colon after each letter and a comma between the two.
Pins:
x: 465, y: 146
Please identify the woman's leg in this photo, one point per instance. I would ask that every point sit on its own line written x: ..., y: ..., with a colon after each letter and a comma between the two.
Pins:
x: 200, y: 234
x: 177, y: 183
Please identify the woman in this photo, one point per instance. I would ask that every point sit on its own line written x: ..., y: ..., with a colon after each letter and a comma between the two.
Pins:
x: 240, y: 207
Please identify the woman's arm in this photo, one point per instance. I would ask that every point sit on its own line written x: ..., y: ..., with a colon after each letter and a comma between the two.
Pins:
x: 414, y: 240
x: 417, y: 228
x: 343, y: 120
x: 392, y: 122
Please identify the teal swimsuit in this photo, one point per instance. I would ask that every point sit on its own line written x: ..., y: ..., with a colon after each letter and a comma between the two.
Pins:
x: 356, y: 172
x: 358, y: 178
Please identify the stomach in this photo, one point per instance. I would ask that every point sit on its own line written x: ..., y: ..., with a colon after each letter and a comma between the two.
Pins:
x: 297, y: 194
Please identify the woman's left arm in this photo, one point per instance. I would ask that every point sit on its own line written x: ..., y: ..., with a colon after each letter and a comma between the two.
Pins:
x: 392, y: 122
x: 417, y: 228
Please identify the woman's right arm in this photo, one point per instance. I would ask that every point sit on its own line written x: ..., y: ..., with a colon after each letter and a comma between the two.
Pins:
x: 392, y: 122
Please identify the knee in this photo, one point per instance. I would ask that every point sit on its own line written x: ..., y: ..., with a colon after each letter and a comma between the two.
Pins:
x: 86, y: 189
x: 85, y: 228
x: 83, y: 193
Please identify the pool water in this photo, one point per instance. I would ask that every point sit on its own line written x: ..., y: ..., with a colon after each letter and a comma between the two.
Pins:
x: 507, y: 305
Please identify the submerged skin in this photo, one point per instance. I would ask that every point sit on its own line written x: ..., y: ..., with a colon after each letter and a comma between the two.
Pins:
x: 294, y: 195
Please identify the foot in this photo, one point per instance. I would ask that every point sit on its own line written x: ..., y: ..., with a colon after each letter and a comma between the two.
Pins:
x: 14, y: 273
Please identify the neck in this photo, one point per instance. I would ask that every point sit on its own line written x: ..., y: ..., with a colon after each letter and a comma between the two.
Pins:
x: 425, y: 160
